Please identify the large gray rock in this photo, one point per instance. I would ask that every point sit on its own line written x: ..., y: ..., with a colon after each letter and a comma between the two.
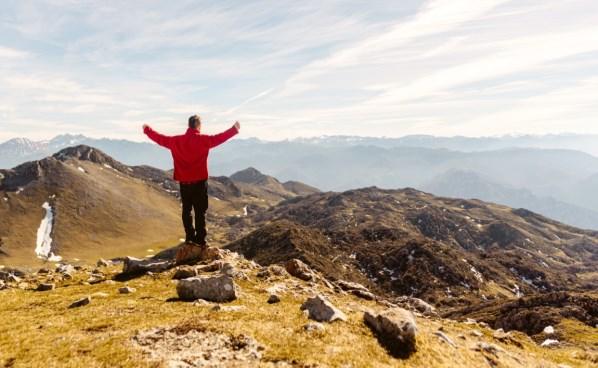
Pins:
x: 135, y: 265
x: 395, y: 328
x: 319, y: 308
x: 213, y: 289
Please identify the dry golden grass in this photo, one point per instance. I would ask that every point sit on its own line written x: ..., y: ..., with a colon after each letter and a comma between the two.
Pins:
x: 38, y: 330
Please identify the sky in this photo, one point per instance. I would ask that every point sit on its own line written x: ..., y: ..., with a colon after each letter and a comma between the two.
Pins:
x: 288, y: 69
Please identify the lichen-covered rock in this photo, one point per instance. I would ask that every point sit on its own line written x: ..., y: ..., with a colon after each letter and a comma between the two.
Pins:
x: 395, y: 328
x: 319, y: 308
x: 214, y: 289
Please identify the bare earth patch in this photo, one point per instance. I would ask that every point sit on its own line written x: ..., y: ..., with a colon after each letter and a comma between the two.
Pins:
x: 179, y: 348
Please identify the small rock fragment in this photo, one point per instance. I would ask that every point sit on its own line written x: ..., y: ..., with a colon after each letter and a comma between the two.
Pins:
x: 273, y: 299
x: 184, y: 272
x: 127, y: 290
x: 103, y: 263
x: 45, y: 287
x: 80, y: 302
x: 445, y: 338
x: 548, y: 330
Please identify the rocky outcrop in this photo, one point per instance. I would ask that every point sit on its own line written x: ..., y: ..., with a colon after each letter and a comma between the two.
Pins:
x: 320, y: 309
x: 213, y: 289
x: 395, y: 328
x: 299, y: 269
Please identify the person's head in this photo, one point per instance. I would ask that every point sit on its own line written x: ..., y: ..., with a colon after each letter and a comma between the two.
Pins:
x: 194, y: 122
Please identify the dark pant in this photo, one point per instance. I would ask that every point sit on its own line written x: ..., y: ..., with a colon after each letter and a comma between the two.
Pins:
x: 195, y: 197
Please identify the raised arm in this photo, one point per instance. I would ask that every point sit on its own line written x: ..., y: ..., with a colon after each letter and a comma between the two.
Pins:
x: 162, y: 140
x: 218, y: 139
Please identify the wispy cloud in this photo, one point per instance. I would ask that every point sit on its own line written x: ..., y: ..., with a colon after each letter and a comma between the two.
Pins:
x: 299, y: 68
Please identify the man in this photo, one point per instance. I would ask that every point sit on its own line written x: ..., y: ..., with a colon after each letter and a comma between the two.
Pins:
x: 190, y: 153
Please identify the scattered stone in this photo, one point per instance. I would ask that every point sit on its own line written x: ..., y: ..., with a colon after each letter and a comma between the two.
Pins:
x: 13, y: 278
x: 45, y: 287
x: 214, y: 289
x: 470, y: 321
x: 500, y: 334
x: 230, y: 270
x: 299, y: 269
x: 127, y: 290
x: 487, y: 348
x: 191, y: 254
x: 319, y: 308
x: 363, y: 294
x: 3, y: 285
x: 273, y: 299
x: 395, y: 328
x: 65, y: 268
x: 314, y: 327
x: 264, y: 273
x: 81, y: 302
x: 103, y: 263
x: 548, y: 330
x: 100, y: 294
x: 184, y: 272
x: 96, y: 279
x: 445, y: 338
x: 476, y: 333
x: 211, y: 267
x: 138, y: 266
x: 110, y: 282
x: 549, y: 343
x: 43, y: 271
x: 415, y: 305
x: 277, y: 270
x: 350, y: 286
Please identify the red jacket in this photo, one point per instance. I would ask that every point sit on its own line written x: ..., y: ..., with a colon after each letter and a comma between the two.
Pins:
x: 190, y: 151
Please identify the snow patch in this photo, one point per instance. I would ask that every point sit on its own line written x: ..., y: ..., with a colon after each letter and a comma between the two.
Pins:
x: 548, y: 330
x: 19, y: 190
x: 107, y: 166
x: 245, y: 211
x: 517, y: 291
x: 43, y: 248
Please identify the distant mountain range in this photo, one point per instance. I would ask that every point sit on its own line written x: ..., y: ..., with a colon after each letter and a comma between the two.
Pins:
x: 542, y: 173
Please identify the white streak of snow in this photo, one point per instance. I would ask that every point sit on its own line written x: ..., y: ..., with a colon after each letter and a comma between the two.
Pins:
x: 548, y: 330
x: 549, y: 342
x: 43, y: 248
x: 245, y: 211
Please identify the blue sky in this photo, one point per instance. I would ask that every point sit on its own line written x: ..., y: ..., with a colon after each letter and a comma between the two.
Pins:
x: 299, y: 68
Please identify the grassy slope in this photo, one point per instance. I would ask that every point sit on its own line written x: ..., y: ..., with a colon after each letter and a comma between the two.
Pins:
x: 38, y: 330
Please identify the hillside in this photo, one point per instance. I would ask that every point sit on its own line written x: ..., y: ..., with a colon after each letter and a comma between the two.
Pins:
x: 94, y: 318
x: 450, y: 252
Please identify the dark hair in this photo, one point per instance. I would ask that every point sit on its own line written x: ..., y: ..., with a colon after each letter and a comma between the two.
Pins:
x: 194, y: 121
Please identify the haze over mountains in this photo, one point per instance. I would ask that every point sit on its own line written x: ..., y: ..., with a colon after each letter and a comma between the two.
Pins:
x: 555, y: 175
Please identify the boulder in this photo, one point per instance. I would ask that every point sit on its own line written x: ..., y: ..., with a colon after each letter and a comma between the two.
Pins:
x: 395, y: 328
x: 299, y: 269
x: 45, y: 287
x: 136, y: 266
x: 319, y: 308
x: 81, y: 302
x: 214, y: 289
